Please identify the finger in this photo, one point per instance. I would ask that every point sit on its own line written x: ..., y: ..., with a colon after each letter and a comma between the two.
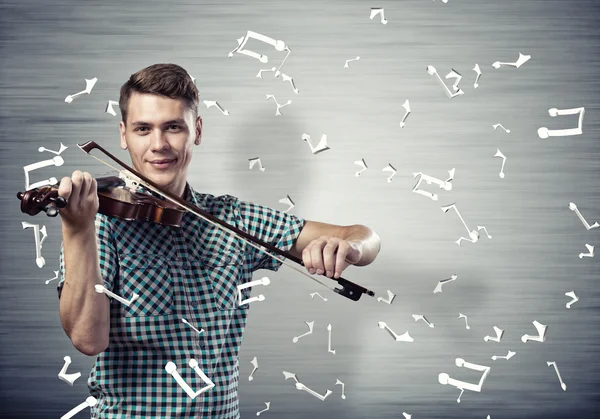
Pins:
x: 329, y: 257
x: 65, y: 187
x: 340, y: 260
x: 316, y: 254
x: 307, y: 260
x: 89, y: 183
x: 77, y: 181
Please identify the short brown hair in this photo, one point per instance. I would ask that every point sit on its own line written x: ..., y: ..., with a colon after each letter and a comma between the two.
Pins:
x: 168, y: 80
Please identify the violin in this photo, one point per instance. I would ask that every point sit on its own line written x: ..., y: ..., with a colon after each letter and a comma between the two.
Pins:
x: 117, y: 201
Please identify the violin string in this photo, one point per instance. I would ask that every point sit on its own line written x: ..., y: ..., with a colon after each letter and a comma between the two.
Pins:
x: 126, y: 173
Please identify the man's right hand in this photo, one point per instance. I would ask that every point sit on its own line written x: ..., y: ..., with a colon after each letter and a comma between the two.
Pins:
x: 81, y: 192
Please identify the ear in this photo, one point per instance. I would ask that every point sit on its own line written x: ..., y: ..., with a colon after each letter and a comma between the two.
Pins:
x: 198, y: 138
x: 122, y: 133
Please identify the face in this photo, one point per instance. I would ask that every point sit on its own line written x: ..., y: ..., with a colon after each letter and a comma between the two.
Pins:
x: 159, y: 129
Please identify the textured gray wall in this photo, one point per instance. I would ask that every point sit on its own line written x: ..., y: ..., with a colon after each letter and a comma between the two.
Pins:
x: 520, y: 275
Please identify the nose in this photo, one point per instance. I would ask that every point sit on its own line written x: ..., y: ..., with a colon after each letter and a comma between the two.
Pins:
x: 158, y: 141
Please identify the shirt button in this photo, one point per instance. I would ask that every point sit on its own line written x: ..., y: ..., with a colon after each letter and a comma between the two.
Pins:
x: 201, y: 343
x: 194, y: 303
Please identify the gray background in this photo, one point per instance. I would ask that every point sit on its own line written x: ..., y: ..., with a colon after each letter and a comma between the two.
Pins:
x: 518, y: 276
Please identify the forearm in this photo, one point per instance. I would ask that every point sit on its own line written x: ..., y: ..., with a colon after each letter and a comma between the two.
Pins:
x: 368, y: 241
x: 84, y: 313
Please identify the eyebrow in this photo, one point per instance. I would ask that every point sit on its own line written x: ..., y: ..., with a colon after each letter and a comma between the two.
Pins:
x: 172, y: 121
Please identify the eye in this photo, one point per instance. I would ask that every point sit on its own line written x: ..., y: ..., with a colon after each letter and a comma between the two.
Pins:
x: 140, y: 128
x: 174, y: 127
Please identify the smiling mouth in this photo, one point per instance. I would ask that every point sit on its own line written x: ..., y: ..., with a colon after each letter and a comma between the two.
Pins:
x: 163, y: 163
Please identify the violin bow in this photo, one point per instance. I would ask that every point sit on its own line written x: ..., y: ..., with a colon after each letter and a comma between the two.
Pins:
x: 348, y: 289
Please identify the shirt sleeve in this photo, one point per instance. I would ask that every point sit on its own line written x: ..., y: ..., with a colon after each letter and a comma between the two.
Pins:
x: 107, y: 253
x: 272, y: 226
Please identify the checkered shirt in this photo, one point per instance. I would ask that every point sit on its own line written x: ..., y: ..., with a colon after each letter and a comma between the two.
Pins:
x: 189, y: 272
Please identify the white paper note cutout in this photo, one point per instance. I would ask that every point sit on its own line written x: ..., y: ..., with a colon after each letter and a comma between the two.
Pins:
x: 277, y: 44
x: 460, y: 316
x: 288, y: 201
x: 89, y: 402
x: 256, y: 160
x: 418, y: 317
x: 405, y: 337
x: 544, y: 132
x: 277, y: 112
x: 52, y: 279
x: 310, y: 330
x: 301, y: 386
x: 190, y: 325
x: 338, y: 382
x: 438, y: 287
x: 171, y: 368
x: 211, y: 103
x: 443, y: 184
x: 453, y: 74
x: 89, y: 85
x: 100, y: 289
x: 477, y: 70
x: 109, y: 107
x: 263, y: 281
x: 503, y: 157
x: 39, y: 259
x: 433, y: 72
x: 390, y: 298
x: 363, y: 166
x: 254, y: 363
x: 520, y: 61
x: 562, y: 384
x: 392, y: 169
x: 56, y: 161
x: 268, y: 404
x: 444, y: 378
x: 574, y: 298
x: 284, y: 77
x: 320, y: 147
x: 312, y: 296
x: 329, y: 340
x: 587, y: 226
x: 590, y: 253
x: 351, y: 59
x: 68, y: 378
x: 499, y: 334
x: 541, y: 337
x: 508, y: 356
x: 495, y: 126
x: 406, y: 106
x: 378, y: 11
x: 473, y: 234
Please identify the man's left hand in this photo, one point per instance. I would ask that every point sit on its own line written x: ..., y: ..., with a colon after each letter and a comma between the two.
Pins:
x: 331, y: 255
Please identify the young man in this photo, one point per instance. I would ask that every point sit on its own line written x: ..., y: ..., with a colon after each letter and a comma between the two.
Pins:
x: 189, y: 272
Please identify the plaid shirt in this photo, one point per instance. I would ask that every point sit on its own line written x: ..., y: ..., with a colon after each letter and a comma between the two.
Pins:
x: 189, y: 272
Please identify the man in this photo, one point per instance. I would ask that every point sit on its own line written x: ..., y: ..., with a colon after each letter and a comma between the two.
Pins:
x: 189, y: 272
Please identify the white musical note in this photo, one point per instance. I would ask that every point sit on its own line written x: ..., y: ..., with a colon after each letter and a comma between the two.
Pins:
x: 56, y: 161
x: 499, y: 334
x: 109, y: 107
x: 338, y: 382
x: 285, y: 77
x: 253, y: 161
x: 259, y: 75
x: 406, y: 106
x: 352, y: 59
x: 573, y: 296
x: 405, y: 337
x: 541, y: 329
x: 211, y: 103
x: 454, y: 74
x: 254, y: 363
x: 287, y: 375
x: 418, y: 317
x: 444, y: 378
x: 503, y: 157
x: 263, y: 281
x: 544, y: 132
x: 446, y: 185
x: 277, y: 112
x: 590, y: 253
x: 300, y: 386
x: 406, y: 415
x: 433, y: 72
x: 190, y: 325
x: 89, y: 402
x: 460, y: 315
x: 59, y: 152
x: 52, y: 279
x: 312, y: 296
x: 89, y: 85
x: 193, y: 78
x: 390, y: 168
x: 362, y: 164
x: 443, y: 1
x: 507, y: 357
x: 264, y: 410
x: 39, y: 260
x: 520, y: 61
x: 477, y: 70
x: 101, y: 289
x: 495, y: 126
x: 68, y: 378
x: 329, y: 340
x: 562, y: 384
x: 171, y: 368
x: 473, y: 234
x: 438, y: 287
x: 288, y: 201
x: 321, y: 146
x: 573, y: 207
x: 378, y: 11
x: 310, y: 330
x: 390, y: 298
x: 277, y: 44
